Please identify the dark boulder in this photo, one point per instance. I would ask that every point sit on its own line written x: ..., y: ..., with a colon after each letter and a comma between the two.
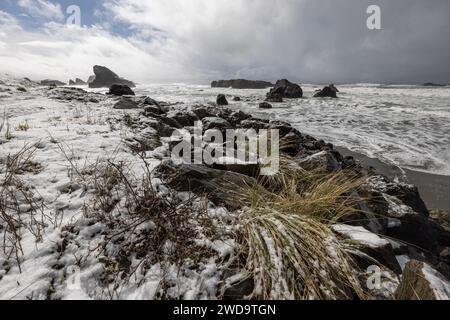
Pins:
x: 79, y: 82
x: 432, y: 84
x: 215, y: 123
x: 204, y: 180
x: 221, y: 100
x: 275, y: 97
x: 329, y: 91
x: 241, y: 84
x: 421, y: 282
x: 105, y: 78
x: 186, y: 119
x: 236, y: 99
x: 406, y: 212
x: 121, y: 90
x: 371, y: 245
x: 52, y: 83
x: 284, y: 89
x: 125, y: 104
x: 265, y: 105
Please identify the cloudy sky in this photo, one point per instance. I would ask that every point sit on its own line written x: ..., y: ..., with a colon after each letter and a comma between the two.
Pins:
x: 201, y: 40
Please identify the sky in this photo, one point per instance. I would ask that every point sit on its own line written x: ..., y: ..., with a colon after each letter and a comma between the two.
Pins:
x: 197, y: 41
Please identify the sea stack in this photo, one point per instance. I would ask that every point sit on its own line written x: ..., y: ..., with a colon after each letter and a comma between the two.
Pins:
x: 105, y: 78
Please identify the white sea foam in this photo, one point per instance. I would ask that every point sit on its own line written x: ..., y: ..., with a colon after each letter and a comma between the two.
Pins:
x: 404, y: 125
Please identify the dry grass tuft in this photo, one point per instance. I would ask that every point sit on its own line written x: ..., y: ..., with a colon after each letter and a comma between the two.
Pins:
x: 143, y: 222
x: 287, y: 245
x: 20, y: 206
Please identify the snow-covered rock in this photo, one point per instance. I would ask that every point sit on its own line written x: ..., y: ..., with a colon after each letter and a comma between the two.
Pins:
x: 421, y: 282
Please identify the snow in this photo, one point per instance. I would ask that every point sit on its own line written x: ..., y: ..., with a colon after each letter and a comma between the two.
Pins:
x: 403, y: 260
x: 360, y: 235
x: 440, y: 287
x: 69, y: 136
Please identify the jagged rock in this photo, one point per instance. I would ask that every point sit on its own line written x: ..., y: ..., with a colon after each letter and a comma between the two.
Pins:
x: 329, y: 91
x: 422, y: 282
x: 105, y: 78
x: 90, y: 79
x: 203, y: 180
x: 265, y: 105
x: 324, y: 161
x: 186, y: 119
x: 125, y: 104
x: 408, y: 215
x: 121, y: 90
x: 241, y: 84
x: 237, y: 117
x: 291, y: 144
x: 215, y: 123
x: 52, y: 83
x: 284, y: 89
x: 168, y: 121
x: 221, y: 100
x: 150, y: 102
x: 369, y: 244
x: 77, y: 82
x: 205, y: 112
x: 274, y: 97
x: 21, y: 89
x: 153, y: 110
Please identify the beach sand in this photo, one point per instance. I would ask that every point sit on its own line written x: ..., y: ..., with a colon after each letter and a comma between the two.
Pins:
x: 434, y: 189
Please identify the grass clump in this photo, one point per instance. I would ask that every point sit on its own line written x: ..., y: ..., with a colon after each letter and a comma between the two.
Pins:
x: 145, y: 224
x: 20, y: 206
x: 288, y: 247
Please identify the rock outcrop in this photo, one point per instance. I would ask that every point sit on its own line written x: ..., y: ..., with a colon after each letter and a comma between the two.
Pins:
x: 421, y: 282
x: 124, y: 104
x: 221, y: 100
x: 284, y: 89
x: 241, y: 84
x: 265, y: 105
x: 105, y: 78
x: 328, y: 91
x: 52, y: 83
x: 390, y: 225
x: 121, y: 90
x: 432, y: 84
x: 77, y: 82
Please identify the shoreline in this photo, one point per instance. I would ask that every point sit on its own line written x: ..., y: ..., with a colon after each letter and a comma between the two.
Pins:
x: 433, y: 188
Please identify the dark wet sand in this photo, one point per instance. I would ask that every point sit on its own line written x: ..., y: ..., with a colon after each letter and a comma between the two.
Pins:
x: 434, y: 189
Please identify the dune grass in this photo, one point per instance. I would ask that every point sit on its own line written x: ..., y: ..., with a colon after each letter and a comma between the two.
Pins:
x: 285, y: 237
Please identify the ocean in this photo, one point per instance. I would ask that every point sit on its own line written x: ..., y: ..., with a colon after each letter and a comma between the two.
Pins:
x: 405, y: 126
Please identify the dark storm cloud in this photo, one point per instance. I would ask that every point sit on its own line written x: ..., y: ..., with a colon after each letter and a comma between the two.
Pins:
x: 200, y: 40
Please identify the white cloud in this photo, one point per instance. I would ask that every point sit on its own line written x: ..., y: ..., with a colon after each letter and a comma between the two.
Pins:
x: 42, y: 9
x: 62, y: 52
x: 201, y: 40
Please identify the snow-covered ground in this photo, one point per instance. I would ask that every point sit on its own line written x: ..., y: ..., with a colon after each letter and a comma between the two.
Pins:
x: 65, y: 252
x: 64, y: 137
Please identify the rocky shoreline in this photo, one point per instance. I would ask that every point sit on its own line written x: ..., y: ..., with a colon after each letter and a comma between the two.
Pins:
x: 369, y: 222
